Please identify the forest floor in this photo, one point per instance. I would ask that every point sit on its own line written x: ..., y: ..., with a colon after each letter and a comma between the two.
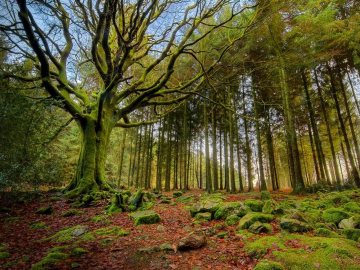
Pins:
x: 300, y: 232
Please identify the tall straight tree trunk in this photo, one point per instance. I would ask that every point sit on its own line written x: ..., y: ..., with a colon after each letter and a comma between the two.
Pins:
x: 121, y: 158
x: 238, y: 156
x: 324, y: 173
x: 131, y: 156
x: 316, y: 165
x: 221, y: 161
x: 231, y: 148
x: 136, y: 153
x: 349, y: 116
x: 290, y: 129
x: 138, y: 163
x: 354, y: 170
x: 226, y: 160
x: 160, y: 156
x: 271, y: 155
x: 353, y: 92
x: 200, y: 165
x: 207, y: 150
x: 149, y: 158
x: 247, y: 147
x: 328, y: 130
x: 259, y: 145
x: 214, y: 150
x: 348, y: 171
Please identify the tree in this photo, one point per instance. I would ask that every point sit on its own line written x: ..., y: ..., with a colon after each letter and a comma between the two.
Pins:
x: 131, y: 48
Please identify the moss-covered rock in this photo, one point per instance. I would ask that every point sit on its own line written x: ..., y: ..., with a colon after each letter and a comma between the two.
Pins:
x: 4, y: 255
x: 293, y: 225
x: 78, y: 251
x: 350, y: 223
x: 185, y: 199
x: 232, y: 220
x: 203, y: 216
x: 206, y: 204
x: 334, y: 215
x: 72, y: 212
x: 259, y: 227
x: 352, y: 207
x: 145, y: 217
x: 268, y: 265
x: 324, y: 232
x: 271, y: 207
x: 254, y: 205
x: 265, y: 195
x: 38, y: 225
x: 54, y: 256
x: 47, y: 210
x: 222, y: 234
x: 177, y: 194
x: 352, y: 234
x: 250, y: 218
x: 227, y: 208
x: 78, y: 233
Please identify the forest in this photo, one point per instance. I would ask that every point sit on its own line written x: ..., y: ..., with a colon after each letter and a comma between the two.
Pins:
x: 177, y: 134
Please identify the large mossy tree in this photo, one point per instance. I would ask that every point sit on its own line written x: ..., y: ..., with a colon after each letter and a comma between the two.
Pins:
x: 107, y: 61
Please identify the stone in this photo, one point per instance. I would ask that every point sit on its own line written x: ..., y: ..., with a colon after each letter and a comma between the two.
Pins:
x: 254, y: 205
x: 79, y: 230
x: 232, y: 220
x: 177, y: 194
x: 194, y: 240
x: 160, y: 228
x: 145, y: 217
x: 293, y: 225
x: 250, y: 218
x: 350, y: 223
x: 334, y: 215
x: 259, y: 227
x: 203, y: 216
x: 228, y: 208
x: 205, y: 206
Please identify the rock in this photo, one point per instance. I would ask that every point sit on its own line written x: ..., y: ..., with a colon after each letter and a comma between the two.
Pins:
x: 298, y: 216
x: 232, y: 220
x: 265, y: 195
x: 351, y: 223
x: 166, y: 247
x: 145, y: 217
x: 203, y: 216
x: 205, y: 206
x: 293, y: 225
x: 254, y: 205
x: 228, y: 208
x: 177, y: 194
x: 48, y: 210
x: 136, y: 199
x: 194, y: 240
x: 323, y: 232
x: 352, y: 234
x: 250, y: 218
x: 163, y: 247
x: 79, y: 230
x: 334, y: 215
x: 160, y: 228
x: 259, y: 227
x: 268, y: 265
x: 271, y: 207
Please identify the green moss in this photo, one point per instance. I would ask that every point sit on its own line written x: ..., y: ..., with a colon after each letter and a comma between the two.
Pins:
x: 222, y: 234
x: 232, y: 220
x: 72, y: 212
x: 112, y: 231
x: 268, y: 265
x: 100, y: 219
x: 352, y: 234
x: 307, y: 252
x: 177, y: 194
x: 324, y: 232
x: 185, y: 199
x: 249, y: 219
x: 77, y: 232
x: 146, y: 206
x: 38, y: 225
x: 12, y: 220
x: 54, y: 256
x: 293, y: 225
x: 259, y: 227
x: 228, y: 208
x: 47, y: 210
x: 78, y: 251
x: 203, y: 216
x: 352, y: 207
x: 145, y: 217
x: 254, y: 205
x: 4, y: 255
x: 265, y: 195
x: 334, y: 215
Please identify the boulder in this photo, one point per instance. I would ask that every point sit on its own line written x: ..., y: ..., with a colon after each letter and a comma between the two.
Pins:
x: 254, y: 205
x: 194, y: 240
x: 259, y: 227
x: 228, y: 208
x: 334, y: 215
x: 145, y: 217
x: 203, y: 216
x: 271, y: 207
x: 352, y: 234
x: 250, y: 218
x: 177, y: 194
x: 79, y: 230
x: 232, y: 220
x: 265, y: 195
x: 48, y: 210
x: 205, y: 206
x: 293, y: 225
x: 350, y: 223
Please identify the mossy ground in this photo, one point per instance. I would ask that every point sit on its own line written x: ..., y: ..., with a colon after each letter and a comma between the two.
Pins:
x: 86, y: 238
